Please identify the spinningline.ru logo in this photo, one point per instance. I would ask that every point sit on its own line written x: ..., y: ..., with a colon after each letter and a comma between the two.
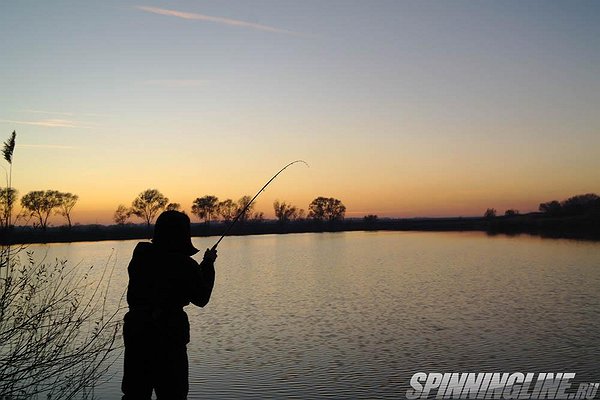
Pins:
x: 499, y: 385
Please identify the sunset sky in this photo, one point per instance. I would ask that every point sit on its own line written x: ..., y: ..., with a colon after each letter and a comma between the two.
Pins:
x: 401, y: 108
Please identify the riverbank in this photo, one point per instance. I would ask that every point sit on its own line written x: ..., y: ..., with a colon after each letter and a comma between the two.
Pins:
x: 582, y: 227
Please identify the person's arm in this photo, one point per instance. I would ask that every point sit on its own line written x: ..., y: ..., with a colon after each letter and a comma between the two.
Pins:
x: 203, y: 279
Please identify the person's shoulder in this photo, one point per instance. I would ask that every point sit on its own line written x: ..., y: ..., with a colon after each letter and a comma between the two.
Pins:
x: 143, y: 248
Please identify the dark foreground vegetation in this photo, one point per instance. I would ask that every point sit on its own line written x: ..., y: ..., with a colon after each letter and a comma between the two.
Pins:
x: 57, y: 334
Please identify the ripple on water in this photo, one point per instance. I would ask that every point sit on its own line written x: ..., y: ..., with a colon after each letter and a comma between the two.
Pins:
x: 354, y: 315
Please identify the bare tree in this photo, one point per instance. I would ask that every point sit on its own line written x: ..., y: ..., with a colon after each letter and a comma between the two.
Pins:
x: 205, y: 208
x: 148, y: 204
x: 40, y: 204
x: 286, y: 212
x: 121, y: 215
x: 66, y: 203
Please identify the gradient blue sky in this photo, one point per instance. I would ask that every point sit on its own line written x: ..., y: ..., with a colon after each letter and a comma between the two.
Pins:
x: 402, y: 108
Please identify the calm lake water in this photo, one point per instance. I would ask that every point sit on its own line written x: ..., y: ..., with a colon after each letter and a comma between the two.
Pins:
x: 355, y: 315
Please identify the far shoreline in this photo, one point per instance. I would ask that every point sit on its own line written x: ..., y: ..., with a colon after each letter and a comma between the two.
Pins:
x: 585, y: 227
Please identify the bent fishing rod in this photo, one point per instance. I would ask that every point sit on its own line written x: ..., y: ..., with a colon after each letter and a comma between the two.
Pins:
x: 254, y: 198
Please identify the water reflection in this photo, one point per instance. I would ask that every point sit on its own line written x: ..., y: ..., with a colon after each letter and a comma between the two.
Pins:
x: 354, y: 315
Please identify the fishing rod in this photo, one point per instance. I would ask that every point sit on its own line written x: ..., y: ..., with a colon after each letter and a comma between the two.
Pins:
x: 254, y: 198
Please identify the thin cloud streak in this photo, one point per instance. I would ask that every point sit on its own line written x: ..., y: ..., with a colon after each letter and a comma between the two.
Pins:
x: 175, y: 83
x: 68, y: 114
x: 47, y: 146
x: 49, y: 123
x: 48, y: 112
x: 217, y: 20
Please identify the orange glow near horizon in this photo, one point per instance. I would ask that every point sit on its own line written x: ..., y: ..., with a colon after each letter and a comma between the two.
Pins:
x: 419, y: 179
x: 434, y: 205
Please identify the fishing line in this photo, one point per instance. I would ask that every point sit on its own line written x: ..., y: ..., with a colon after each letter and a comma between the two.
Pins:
x: 254, y: 198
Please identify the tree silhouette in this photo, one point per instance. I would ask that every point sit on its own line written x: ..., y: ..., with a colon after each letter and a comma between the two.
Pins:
x: 370, y: 219
x: 173, y: 207
x: 258, y: 217
x: 323, y: 208
x: 121, y: 215
x: 575, y: 205
x: 511, y: 212
x: 241, y: 203
x: 286, y: 212
x: 205, y: 207
x: 66, y: 203
x: 551, y: 207
x: 40, y: 204
x: 581, y: 204
x: 227, y: 209
x: 489, y: 213
x: 8, y: 197
x: 148, y: 204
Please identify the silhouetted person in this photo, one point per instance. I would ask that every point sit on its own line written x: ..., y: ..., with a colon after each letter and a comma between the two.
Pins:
x: 163, y: 278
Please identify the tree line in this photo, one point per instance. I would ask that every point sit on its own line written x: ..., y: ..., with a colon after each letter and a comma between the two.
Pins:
x: 580, y: 204
x: 149, y: 203
x: 37, y: 204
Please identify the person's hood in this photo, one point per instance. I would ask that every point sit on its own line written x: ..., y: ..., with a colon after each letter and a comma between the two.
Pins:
x: 172, y: 233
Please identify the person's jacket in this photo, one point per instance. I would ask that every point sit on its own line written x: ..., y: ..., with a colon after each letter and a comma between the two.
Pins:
x: 161, y: 283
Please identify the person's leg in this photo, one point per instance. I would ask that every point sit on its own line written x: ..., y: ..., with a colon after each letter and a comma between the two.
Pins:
x: 137, y: 374
x: 171, y: 374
